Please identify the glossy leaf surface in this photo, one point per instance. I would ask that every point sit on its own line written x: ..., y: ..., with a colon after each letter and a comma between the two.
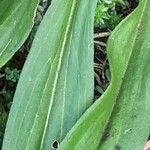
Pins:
x: 16, y: 21
x: 56, y: 85
x: 127, y: 96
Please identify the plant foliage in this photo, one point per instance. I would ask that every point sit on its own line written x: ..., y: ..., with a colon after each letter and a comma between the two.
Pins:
x: 56, y: 85
x: 128, y: 93
x: 15, y: 24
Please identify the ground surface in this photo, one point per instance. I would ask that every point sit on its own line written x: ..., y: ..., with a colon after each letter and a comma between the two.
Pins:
x: 105, y: 22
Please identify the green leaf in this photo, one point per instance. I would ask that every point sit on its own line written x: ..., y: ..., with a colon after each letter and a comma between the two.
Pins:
x: 16, y: 21
x: 56, y: 85
x: 129, y: 57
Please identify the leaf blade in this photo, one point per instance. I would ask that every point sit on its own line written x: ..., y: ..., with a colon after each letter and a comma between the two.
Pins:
x: 14, y: 26
x: 58, y: 51
x: 136, y: 103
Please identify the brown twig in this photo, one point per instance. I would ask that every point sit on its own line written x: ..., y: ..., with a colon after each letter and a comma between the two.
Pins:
x: 100, y: 43
x: 101, y: 35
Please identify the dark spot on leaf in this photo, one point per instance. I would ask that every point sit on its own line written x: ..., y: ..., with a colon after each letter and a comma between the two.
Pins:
x: 55, y: 145
x: 117, y: 147
x: 133, y: 116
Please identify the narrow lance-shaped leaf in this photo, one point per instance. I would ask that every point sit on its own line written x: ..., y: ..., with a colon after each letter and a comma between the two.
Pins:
x: 129, y: 124
x: 129, y: 57
x: 16, y: 20
x: 56, y: 85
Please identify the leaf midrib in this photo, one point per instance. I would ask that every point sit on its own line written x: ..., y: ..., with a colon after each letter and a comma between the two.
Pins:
x: 62, y: 49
